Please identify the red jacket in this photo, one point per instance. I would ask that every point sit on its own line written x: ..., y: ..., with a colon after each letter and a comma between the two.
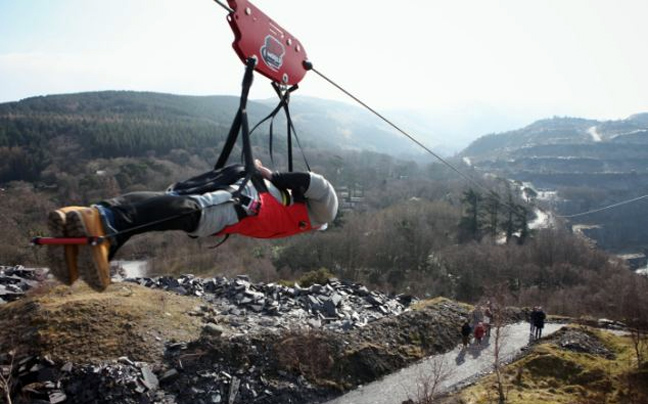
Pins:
x: 479, y: 331
x: 274, y: 220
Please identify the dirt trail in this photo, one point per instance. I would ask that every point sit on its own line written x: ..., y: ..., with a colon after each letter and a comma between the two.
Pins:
x: 460, y: 365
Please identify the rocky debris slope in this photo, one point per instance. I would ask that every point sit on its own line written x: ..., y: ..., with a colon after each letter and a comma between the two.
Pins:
x: 581, y: 340
x: 265, y: 343
x: 15, y: 281
x: 336, y: 306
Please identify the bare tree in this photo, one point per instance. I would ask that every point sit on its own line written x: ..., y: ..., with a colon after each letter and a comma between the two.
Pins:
x: 496, y: 309
x: 635, y: 314
x: 6, y: 379
x: 433, y: 372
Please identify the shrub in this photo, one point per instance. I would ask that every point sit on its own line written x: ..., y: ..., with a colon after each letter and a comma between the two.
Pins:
x: 320, y: 276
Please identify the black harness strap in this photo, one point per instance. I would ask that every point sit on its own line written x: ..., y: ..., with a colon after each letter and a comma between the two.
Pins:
x: 240, y: 122
x: 241, y: 125
x: 292, y: 132
x: 284, y: 99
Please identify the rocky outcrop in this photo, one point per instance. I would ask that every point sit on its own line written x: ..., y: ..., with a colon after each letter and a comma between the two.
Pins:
x: 337, y: 305
x: 16, y: 280
x: 262, y: 343
x: 582, y: 341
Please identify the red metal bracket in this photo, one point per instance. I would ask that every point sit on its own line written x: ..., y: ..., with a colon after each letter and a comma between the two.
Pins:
x: 280, y: 56
x: 92, y: 240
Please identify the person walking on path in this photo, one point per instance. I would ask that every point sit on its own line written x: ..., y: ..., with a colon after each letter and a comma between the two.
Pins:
x: 479, y: 332
x: 532, y: 320
x: 539, y: 322
x: 466, y: 331
x: 477, y: 316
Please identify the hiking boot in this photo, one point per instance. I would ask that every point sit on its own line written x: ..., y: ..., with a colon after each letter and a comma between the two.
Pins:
x: 93, y: 260
x: 63, y: 259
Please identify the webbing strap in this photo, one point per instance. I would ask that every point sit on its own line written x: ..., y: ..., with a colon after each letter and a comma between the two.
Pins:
x: 284, y: 100
x: 283, y: 103
x: 292, y: 132
x: 240, y: 120
x: 241, y: 125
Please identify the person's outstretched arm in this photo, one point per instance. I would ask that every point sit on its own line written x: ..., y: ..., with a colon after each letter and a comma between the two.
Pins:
x: 319, y: 193
x: 298, y: 182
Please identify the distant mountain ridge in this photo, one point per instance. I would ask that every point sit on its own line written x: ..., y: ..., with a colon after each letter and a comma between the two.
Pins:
x: 589, y: 163
x: 570, y: 132
x: 568, y: 145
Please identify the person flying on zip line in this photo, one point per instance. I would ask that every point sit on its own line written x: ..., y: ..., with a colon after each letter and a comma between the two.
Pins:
x: 292, y: 203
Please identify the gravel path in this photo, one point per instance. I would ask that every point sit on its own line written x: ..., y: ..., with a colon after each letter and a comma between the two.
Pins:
x: 455, y: 367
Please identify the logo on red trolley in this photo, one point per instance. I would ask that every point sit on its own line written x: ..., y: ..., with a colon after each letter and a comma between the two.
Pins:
x: 272, y: 53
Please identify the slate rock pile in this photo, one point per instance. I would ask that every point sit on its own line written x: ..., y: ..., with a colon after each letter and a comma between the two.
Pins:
x: 239, y: 370
x: 34, y: 377
x: 239, y: 314
x: 39, y: 380
x: 583, y: 342
x: 337, y: 305
x: 15, y: 281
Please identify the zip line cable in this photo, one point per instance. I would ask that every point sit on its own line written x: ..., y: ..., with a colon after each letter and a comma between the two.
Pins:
x: 309, y: 66
x: 417, y: 142
x: 225, y: 6
x: 614, y: 205
x: 410, y: 137
x: 453, y: 168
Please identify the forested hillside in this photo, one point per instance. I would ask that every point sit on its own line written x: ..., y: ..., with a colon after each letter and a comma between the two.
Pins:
x: 81, y: 148
x: 35, y: 131
x: 403, y: 226
x: 62, y: 130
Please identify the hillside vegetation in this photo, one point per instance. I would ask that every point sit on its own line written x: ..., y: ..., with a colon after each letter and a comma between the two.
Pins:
x: 577, y: 365
x: 44, y: 134
x: 403, y: 226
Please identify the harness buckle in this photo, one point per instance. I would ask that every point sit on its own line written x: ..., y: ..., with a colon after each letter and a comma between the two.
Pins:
x: 253, y: 207
x: 249, y: 205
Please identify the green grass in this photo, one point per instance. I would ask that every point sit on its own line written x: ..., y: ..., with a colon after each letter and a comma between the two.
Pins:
x: 550, y: 374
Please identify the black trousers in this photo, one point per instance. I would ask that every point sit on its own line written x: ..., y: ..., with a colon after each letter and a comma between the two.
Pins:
x: 141, y: 212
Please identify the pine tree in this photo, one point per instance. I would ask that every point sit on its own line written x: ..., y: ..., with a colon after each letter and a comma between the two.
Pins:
x: 469, y: 224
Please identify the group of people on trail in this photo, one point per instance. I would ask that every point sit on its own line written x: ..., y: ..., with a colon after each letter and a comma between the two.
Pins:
x: 274, y: 205
x: 468, y: 332
x: 537, y: 320
x: 479, y: 325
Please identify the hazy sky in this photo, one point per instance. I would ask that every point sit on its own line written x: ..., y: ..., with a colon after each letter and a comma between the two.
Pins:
x: 584, y: 58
